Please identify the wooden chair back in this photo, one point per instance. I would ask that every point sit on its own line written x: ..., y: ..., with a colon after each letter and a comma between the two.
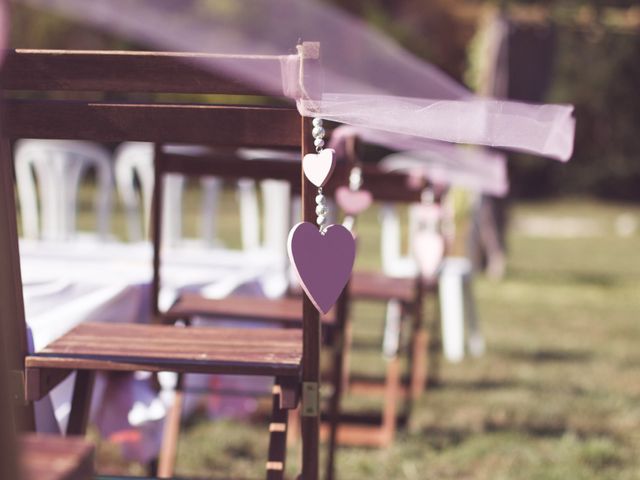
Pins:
x: 248, y: 125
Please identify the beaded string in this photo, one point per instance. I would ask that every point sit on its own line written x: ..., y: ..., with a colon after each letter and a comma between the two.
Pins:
x: 321, y: 201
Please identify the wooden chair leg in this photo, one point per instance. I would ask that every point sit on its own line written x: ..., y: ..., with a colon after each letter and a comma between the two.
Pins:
x: 337, y: 380
x: 419, y: 347
x: 81, y: 402
x: 434, y: 338
x: 293, y: 434
x: 347, y: 343
x: 419, y: 362
x: 171, y: 434
x: 390, y: 409
x: 277, y: 436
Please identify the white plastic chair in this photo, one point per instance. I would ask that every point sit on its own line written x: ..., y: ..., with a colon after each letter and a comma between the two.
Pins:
x: 58, y: 167
x: 135, y: 159
x: 279, y: 213
x: 457, y: 303
x: 458, y: 310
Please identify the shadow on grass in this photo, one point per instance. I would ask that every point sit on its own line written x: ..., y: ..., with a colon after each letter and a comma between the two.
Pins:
x: 567, y: 277
x: 478, y: 385
x: 545, y: 355
x: 442, y: 437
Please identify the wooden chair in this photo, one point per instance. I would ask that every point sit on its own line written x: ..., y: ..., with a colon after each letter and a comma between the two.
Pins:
x: 339, y: 428
x: 289, y: 355
x: 46, y: 457
x: 377, y: 287
x: 281, y: 312
x: 285, y: 311
x: 26, y: 456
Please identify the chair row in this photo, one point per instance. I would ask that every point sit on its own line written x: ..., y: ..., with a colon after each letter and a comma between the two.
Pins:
x: 49, y: 175
x: 291, y: 356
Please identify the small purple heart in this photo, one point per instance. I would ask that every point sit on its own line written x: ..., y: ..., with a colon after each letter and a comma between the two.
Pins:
x: 323, y: 262
x: 353, y: 202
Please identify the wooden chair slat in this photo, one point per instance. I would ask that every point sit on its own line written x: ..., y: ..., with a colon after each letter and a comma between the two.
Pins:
x: 108, y: 122
x: 384, y: 186
x: 378, y: 286
x: 284, y: 311
x: 205, y: 350
x: 48, y: 457
x: 230, y: 167
x: 121, y: 347
x: 125, y: 71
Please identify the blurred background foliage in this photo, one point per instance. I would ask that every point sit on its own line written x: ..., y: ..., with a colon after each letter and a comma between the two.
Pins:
x: 591, y: 49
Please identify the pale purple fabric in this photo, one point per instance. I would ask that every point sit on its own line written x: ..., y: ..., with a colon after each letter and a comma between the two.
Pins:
x: 365, y: 78
x: 473, y: 168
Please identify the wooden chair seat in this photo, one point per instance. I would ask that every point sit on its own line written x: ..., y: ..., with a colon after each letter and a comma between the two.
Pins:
x: 130, y: 347
x: 45, y: 457
x: 283, y: 311
x: 378, y: 286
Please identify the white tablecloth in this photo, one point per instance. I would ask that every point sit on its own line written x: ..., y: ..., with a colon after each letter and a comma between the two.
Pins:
x: 69, y: 283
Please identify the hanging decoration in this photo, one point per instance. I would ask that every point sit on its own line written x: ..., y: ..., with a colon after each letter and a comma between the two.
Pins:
x: 428, y: 241
x: 353, y: 200
x: 322, y: 256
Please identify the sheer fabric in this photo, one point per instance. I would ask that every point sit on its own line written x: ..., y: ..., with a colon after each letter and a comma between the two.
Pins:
x: 363, y: 78
x: 473, y: 168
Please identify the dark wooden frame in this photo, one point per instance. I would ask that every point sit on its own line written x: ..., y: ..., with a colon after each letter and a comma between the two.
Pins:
x: 176, y: 123
x: 358, y: 429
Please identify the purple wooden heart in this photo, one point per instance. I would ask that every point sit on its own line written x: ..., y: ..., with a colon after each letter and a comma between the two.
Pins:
x: 323, y: 262
x: 353, y: 202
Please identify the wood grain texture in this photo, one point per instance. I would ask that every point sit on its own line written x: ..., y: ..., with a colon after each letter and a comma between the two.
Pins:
x: 129, y: 347
x: 81, y: 402
x: 116, y: 122
x: 231, y: 167
x: 126, y: 71
x: 378, y: 286
x: 13, y: 331
x: 157, y: 207
x: 339, y: 354
x: 38, y: 382
x: 170, y: 435
x: 45, y: 457
x: 384, y: 186
x: 312, y: 331
x: 276, y: 460
x: 284, y: 311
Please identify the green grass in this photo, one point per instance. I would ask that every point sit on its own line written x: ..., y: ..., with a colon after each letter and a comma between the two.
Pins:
x: 557, y: 396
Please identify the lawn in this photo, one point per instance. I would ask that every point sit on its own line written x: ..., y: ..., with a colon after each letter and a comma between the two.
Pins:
x: 557, y: 395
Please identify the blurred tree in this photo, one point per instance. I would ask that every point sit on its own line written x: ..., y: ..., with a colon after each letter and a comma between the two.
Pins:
x: 31, y: 28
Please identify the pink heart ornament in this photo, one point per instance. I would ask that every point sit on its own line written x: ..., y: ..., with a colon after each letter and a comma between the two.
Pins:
x: 353, y: 202
x: 318, y: 167
x: 428, y: 248
x: 428, y: 215
x: 323, y: 263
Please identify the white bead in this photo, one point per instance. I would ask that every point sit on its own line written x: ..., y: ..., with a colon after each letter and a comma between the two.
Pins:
x: 320, y: 220
x: 317, y: 122
x: 320, y: 199
x: 318, y: 142
x: 318, y: 132
x: 321, y: 210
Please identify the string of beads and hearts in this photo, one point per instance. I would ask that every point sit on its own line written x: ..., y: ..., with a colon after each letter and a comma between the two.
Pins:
x: 322, y: 256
